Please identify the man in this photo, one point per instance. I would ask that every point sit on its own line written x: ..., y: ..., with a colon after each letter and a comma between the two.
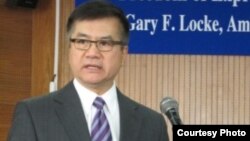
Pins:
x: 91, y: 107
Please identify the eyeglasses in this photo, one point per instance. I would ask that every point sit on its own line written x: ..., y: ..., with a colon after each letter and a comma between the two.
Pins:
x: 102, y: 45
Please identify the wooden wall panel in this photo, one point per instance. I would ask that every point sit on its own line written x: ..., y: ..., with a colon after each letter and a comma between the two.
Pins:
x: 26, y: 56
x: 6, y: 111
x: 64, y: 74
x: 15, y: 54
x: 43, y: 42
x: 15, y: 61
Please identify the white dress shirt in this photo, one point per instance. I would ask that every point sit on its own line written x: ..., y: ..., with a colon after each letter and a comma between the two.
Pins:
x: 111, y: 108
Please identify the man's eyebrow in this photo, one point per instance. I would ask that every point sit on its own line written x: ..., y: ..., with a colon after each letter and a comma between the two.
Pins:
x: 81, y: 35
x: 106, y: 38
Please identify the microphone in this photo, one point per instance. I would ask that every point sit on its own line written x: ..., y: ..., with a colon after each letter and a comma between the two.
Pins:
x: 169, y: 107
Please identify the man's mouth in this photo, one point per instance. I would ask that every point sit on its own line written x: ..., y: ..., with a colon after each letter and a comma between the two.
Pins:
x: 92, y: 67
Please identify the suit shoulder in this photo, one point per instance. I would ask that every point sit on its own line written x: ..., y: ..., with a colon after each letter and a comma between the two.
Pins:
x: 39, y: 99
x: 46, y: 97
x: 37, y: 102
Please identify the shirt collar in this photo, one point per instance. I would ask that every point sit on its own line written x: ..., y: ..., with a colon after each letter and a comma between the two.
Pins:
x: 87, y: 97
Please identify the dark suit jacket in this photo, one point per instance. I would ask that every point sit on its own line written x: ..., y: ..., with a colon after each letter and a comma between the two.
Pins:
x: 59, y: 117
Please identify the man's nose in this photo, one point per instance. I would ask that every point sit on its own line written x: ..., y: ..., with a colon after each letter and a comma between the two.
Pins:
x: 92, y: 51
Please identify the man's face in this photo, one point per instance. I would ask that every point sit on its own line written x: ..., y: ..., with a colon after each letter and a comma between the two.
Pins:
x: 94, y: 69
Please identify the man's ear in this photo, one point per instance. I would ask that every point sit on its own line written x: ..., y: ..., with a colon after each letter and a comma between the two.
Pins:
x: 125, y: 49
x: 124, y: 53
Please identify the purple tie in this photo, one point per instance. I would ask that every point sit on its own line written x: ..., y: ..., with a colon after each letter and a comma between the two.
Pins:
x: 100, y: 130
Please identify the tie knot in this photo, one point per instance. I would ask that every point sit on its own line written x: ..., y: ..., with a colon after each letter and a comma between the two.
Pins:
x: 99, y: 103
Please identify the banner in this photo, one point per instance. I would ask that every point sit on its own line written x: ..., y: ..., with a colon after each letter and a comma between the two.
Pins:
x: 200, y: 27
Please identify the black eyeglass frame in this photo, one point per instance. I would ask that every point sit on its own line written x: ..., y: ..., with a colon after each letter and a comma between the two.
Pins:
x: 97, y: 43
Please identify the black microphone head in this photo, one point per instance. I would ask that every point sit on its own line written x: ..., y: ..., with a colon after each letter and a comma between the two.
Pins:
x: 168, y: 103
x: 169, y: 107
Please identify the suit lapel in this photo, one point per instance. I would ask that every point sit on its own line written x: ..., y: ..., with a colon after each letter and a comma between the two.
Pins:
x: 70, y: 113
x: 129, y: 119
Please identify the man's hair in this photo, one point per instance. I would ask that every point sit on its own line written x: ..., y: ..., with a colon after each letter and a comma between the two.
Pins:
x: 96, y: 9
